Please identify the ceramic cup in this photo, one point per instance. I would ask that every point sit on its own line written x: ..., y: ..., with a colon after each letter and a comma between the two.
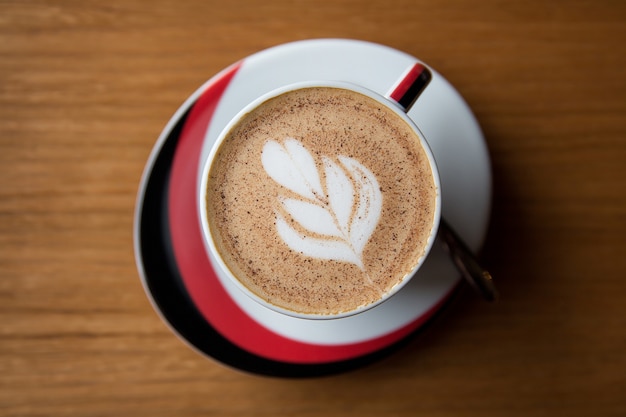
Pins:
x: 315, y: 212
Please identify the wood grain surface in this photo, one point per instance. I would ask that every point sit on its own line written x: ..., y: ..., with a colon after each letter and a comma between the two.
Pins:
x: 85, y: 89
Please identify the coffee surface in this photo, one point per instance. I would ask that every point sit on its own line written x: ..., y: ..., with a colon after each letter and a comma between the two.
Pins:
x: 321, y: 200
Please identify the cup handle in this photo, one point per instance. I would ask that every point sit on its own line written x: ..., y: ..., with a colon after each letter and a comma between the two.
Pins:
x: 410, y: 86
x: 404, y: 93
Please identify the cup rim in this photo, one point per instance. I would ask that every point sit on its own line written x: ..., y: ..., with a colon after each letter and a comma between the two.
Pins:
x: 207, y: 234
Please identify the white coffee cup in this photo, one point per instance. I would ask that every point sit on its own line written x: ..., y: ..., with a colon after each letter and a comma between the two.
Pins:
x: 393, y: 104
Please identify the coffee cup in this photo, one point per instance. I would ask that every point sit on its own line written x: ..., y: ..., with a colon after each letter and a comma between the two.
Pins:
x: 321, y: 199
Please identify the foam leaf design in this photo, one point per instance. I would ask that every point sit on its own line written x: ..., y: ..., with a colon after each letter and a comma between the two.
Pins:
x: 340, y: 194
x: 371, y: 203
x: 326, y: 249
x: 312, y: 217
x: 292, y: 166
x: 333, y: 222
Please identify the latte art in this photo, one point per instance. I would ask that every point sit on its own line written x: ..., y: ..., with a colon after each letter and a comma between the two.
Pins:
x: 320, y: 200
x: 335, y: 220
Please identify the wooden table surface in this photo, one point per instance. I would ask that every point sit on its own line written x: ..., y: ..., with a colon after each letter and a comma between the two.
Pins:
x: 85, y: 89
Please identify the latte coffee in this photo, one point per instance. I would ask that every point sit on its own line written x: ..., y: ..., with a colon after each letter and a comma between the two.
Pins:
x: 321, y: 200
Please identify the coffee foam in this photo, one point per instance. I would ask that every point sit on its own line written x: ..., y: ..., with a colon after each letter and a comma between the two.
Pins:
x: 358, y: 159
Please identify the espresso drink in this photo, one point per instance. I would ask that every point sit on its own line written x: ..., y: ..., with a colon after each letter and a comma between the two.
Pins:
x: 321, y: 200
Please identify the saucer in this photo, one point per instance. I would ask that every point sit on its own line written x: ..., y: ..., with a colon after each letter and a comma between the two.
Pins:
x: 199, y: 302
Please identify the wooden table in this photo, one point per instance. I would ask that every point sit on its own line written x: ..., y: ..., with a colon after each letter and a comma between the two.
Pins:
x: 85, y: 89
